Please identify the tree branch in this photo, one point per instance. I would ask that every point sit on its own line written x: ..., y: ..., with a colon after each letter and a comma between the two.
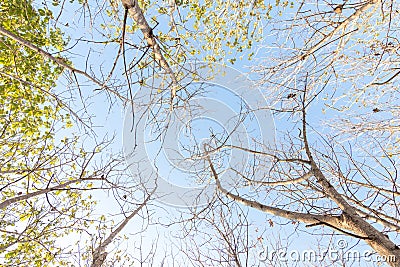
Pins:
x: 341, y: 26
x: 10, y: 201
x: 291, y: 215
x: 137, y: 14
x: 58, y: 61
x: 99, y: 254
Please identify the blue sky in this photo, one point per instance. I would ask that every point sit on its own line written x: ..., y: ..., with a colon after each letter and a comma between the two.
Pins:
x: 108, y: 120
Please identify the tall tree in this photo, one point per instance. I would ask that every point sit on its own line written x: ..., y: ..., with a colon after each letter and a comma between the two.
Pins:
x: 46, y: 180
x: 332, y: 74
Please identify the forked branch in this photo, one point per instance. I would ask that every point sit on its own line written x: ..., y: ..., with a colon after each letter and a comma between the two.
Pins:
x: 132, y: 6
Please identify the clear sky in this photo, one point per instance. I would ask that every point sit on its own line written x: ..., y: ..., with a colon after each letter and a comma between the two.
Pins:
x: 108, y: 120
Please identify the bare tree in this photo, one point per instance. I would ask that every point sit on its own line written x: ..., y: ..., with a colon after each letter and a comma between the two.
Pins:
x: 335, y: 162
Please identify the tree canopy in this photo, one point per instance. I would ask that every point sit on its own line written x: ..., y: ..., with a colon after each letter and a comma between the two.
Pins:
x: 325, y: 72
